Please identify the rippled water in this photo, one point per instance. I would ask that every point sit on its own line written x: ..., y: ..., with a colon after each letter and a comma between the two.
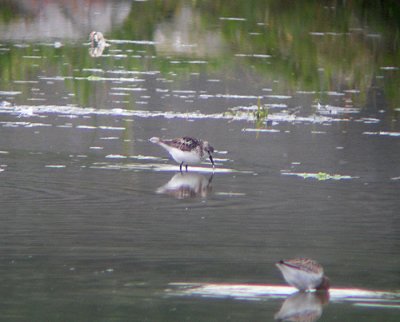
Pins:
x: 97, y: 223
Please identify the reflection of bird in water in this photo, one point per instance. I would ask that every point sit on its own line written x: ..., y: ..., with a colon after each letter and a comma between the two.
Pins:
x: 186, y: 150
x: 187, y: 185
x: 304, y: 274
x: 97, y: 44
x: 303, y: 307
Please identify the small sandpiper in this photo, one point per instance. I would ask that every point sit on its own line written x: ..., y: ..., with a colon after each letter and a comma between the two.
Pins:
x: 186, y: 150
x: 97, y: 39
x: 97, y: 43
x: 304, y: 274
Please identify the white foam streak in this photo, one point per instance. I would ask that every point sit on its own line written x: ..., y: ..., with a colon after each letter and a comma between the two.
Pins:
x: 127, y: 41
x: 261, y: 130
x: 157, y: 167
x: 72, y: 111
x: 383, y: 133
x: 265, y: 292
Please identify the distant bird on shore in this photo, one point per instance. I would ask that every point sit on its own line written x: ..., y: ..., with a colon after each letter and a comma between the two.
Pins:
x: 97, y: 43
x: 186, y: 150
x: 304, y: 274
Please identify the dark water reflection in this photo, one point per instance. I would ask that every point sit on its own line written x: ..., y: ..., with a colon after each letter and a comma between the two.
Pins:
x: 96, y: 222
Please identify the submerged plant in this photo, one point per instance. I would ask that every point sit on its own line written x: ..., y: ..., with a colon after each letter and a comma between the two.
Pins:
x: 261, y: 114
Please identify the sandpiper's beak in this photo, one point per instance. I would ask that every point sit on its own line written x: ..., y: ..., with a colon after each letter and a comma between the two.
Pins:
x: 211, y: 159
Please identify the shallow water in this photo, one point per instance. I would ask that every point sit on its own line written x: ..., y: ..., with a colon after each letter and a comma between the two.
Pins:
x: 98, y: 224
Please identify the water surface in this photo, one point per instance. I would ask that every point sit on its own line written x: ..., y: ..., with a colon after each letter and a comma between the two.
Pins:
x: 98, y: 224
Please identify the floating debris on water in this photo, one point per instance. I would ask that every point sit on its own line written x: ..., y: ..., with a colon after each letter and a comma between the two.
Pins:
x: 134, y: 72
x: 25, y: 82
x: 333, y: 93
x: 109, y: 138
x: 320, y: 176
x: 384, y: 133
x: 137, y: 42
x: 115, y: 156
x: 33, y: 57
x: 10, y: 93
x: 368, y: 120
x: 232, y: 18
x: 253, y: 55
x: 281, y: 97
x: 253, y: 108
x: 120, y: 79
x: 5, y: 104
x: 129, y: 89
x: 24, y: 124
x: 93, y: 70
x: 260, y: 130
x: 378, y: 305
x: 145, y: 157
x: 239, y: 113
x: 230, y: 194
x: 114, y: 128
x: 306, y: 92
x: 335, y: 110
x: 233, y: 96
x: 389, y: 68
x: 89, y: 127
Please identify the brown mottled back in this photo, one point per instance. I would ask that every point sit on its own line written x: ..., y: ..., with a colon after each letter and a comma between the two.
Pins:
x: 185, y: 143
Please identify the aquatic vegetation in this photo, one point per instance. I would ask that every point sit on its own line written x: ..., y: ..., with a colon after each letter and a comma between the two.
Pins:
x: 261, y: 114
x: 239, y: 113
x: 320, y: 176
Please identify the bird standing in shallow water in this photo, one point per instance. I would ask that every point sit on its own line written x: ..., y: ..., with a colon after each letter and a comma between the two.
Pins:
x: 97, y: 44
x: 97, y: 39
x: 304, y: 274
x: 186, y: 150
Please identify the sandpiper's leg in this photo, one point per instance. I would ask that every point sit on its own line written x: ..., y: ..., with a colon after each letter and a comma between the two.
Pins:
x: 186, y: 167
x: 180, y: 167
